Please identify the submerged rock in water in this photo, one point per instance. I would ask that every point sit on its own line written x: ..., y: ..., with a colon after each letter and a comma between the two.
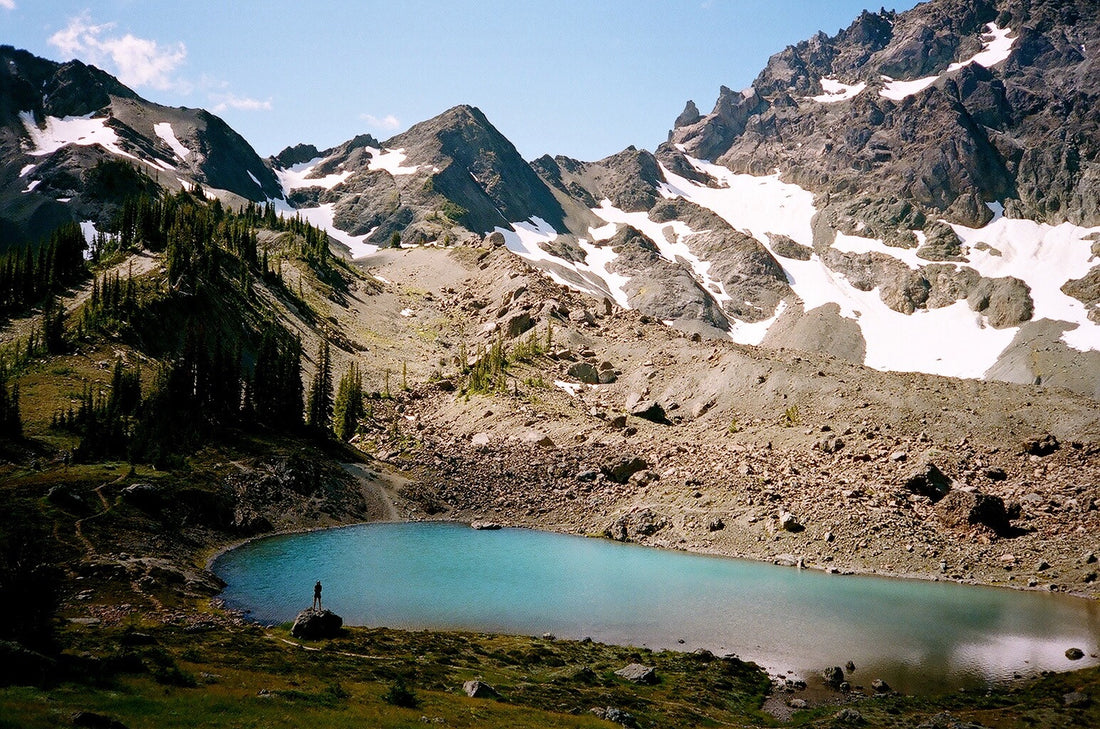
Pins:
x: 315, y: 624
x: 486, y: 526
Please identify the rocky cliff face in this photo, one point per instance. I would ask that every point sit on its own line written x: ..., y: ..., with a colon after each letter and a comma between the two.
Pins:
x: 946, y: 107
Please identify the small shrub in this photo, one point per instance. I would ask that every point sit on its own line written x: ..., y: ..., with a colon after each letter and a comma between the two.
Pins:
x: 399, y: 694
x: 791, y: 416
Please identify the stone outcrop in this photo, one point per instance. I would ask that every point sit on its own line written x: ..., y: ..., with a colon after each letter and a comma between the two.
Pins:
x: 637, y: 673
x: 316, y: 624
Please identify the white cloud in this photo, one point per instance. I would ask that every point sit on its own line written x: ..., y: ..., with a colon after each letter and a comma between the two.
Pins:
x: 136, y: 61
x: 240, y: 103
x: 386, y: 123
x: 7, y: 4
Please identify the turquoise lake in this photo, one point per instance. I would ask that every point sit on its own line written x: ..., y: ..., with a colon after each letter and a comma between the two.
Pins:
x: 919, y: 636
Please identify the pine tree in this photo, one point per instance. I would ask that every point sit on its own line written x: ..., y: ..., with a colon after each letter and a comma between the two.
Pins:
x: 319, y: 407
x: 348, y: 407
x: 11, y: 422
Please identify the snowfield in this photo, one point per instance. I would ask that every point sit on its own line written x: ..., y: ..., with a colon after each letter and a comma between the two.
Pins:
x: 61, y: 132
x: 164, y: 131
x: 837, y: 91
x: 298, y: 176
x: 952, y: 340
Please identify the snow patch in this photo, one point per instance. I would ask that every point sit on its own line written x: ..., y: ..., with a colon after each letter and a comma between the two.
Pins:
x: 524, y: 239
x: 298, y: 176
x: 88, y: 228
x: 951, y: 341
x: 407, y: 312
x: 836, y: 90
x: 254, y: 179
x: 61, y: 132
x: 164, y: 131
x: 322, y: 217
x: 753, y: 333
x: 30, y: 187
x: 26, y: 170
x: 597, y: 259
x: 898, y: 90
x: 996, y: 47
x: 571, y: 388
x: 390, y: 160
x: 1044, y: 257
x: 858, y: 244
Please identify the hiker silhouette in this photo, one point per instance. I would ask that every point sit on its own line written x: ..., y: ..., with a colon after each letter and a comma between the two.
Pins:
x: 317, y: 595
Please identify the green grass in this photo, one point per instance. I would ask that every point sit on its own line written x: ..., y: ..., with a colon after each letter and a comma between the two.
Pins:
x: 245, y: 677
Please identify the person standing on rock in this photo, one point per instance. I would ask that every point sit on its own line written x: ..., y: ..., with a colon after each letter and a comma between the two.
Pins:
x: 317, y: 595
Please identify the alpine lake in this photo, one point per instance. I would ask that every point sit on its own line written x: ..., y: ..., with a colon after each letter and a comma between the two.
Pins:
x: 921, y: 637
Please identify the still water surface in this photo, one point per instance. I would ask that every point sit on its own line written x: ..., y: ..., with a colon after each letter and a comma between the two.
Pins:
x: 919, y: 636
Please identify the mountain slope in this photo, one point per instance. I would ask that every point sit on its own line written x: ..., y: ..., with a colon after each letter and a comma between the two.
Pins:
x: 442, y: 180
x: 63, y: 128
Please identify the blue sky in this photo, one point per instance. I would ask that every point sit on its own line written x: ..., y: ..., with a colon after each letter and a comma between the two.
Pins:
x: 577, y: 78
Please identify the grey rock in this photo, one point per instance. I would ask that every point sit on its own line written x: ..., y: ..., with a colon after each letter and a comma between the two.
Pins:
x: 638, y: 673
x: 1076, y: 700
x: 788, y: 522
x: 880, y: 687
x: 518, y: 324
x: 617, y: 716
x: 1075, y: 654
x: 486, y: 526
x: 849, y: 717
x: 716, y: 524
x: 584, y: 372
x: 621, y: 469
x: 1006, y: 302
x: 789, y: 248
x: 582, y: 316
x: 476, y: 689
x: 927, y: 480
x: 314, y: 624
x: 650, y: 410
x: 797, y: 704
x: 1041, y: 446
x: 833, y: 676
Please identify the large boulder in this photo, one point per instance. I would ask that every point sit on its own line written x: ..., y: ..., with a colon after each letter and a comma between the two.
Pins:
x: 479, y: 690
x: 315, y: 624
x: 620, y: 470
x: 928, y: 480
x: 963, y: 509
x: 637, y: 673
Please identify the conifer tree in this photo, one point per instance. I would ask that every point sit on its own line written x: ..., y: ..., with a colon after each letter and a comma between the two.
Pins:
x: 319, y: 407
x: 11, y: 422
x: 348, y: 407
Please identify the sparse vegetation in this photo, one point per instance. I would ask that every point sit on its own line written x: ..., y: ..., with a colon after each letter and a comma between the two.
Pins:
x: 791, y: 417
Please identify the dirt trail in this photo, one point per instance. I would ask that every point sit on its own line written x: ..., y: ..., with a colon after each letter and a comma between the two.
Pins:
x: 379, y: 489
